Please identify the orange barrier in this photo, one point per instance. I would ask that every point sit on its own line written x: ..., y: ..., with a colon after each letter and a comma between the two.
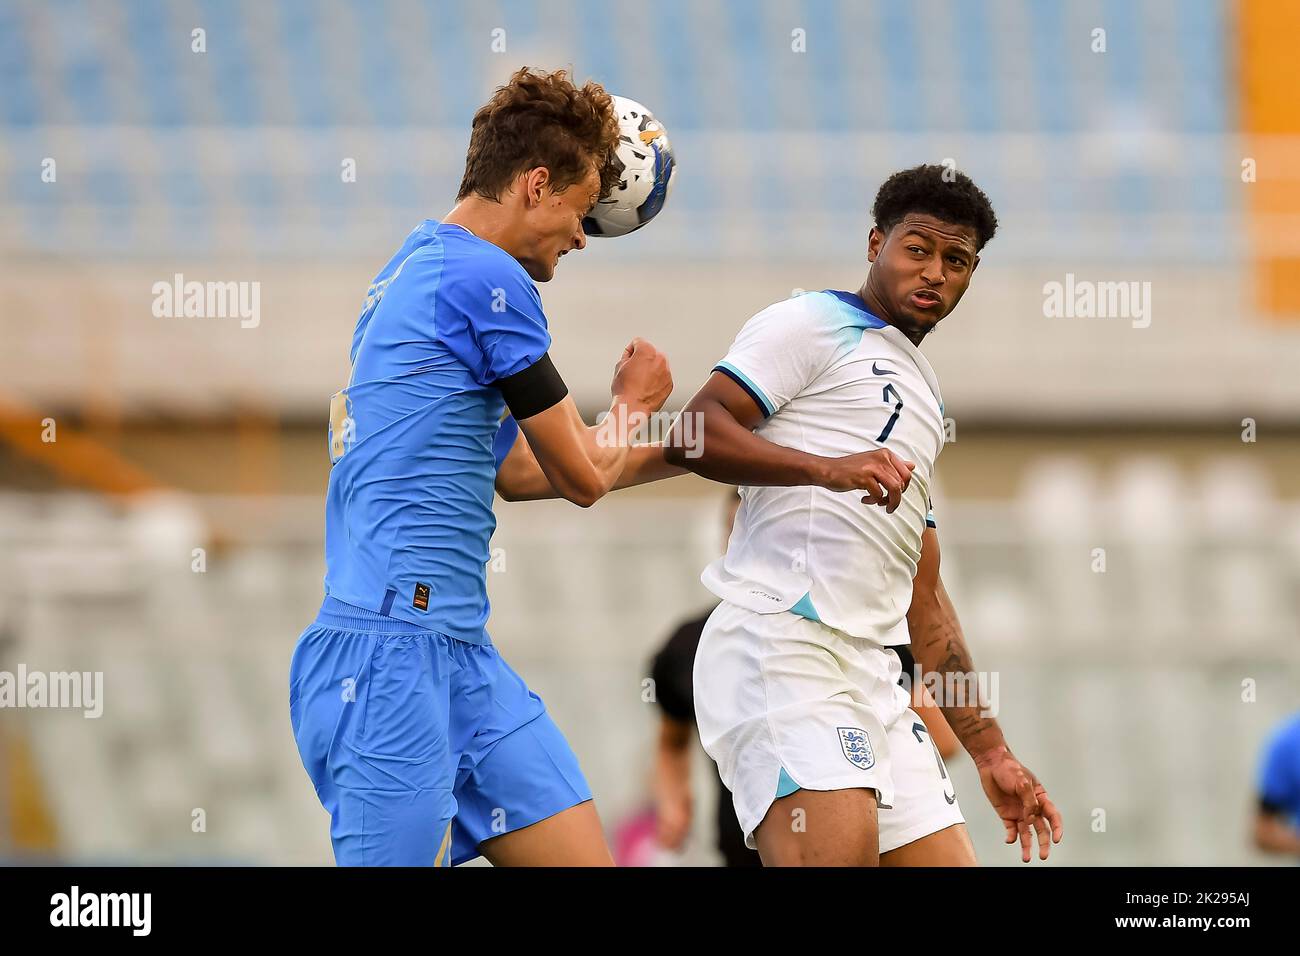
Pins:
x: 29, y: 827
x: 71, y: 456
x: 1269, y: 75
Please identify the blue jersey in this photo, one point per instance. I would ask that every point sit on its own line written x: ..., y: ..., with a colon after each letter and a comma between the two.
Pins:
x: 417, y: 436
x: 1279, y: 779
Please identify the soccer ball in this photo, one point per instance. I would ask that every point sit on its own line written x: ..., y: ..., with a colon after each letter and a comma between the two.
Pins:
x: 648, y: 171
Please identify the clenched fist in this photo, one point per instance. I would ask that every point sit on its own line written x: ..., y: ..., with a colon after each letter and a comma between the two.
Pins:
x: 642, y: 376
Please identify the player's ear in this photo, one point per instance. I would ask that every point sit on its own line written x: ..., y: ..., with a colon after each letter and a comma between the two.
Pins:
x: 874, y: 241
x: 535, y: 182
x: 974, y: 265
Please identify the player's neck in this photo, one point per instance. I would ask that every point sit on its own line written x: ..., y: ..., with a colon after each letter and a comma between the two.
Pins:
x: 877, y: 308
x: 490, y: 221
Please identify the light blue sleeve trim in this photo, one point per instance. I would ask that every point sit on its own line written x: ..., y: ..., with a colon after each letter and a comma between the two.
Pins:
x: 767, y: 405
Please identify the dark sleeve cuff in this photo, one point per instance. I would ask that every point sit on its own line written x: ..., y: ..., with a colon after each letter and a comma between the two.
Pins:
x: 533, y: 390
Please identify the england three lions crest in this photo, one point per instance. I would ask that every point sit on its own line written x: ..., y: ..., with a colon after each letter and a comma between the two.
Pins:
x: 857, y: 747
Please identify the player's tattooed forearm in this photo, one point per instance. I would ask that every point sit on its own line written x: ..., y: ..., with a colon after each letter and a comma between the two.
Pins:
x: 957, y: 660
x: 940, y: 650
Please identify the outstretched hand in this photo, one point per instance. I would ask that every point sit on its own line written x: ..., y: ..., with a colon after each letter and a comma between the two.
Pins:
x: 1021, y: 802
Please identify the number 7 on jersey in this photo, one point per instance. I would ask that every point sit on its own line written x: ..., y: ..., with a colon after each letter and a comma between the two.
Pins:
x: 889, y: 425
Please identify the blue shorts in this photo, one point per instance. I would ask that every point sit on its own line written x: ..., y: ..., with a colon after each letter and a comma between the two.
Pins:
x: 421, y: 746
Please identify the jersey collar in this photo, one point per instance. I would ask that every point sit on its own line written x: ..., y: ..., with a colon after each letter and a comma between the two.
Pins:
x: 855, y: 301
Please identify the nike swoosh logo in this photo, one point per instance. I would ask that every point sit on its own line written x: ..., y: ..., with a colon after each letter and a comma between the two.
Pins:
x: 876, y: 370
x: 951, y: 800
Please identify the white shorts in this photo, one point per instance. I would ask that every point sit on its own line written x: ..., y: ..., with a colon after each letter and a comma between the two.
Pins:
x: 785, y: 703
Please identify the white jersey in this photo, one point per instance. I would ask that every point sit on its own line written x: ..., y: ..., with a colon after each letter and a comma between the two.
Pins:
x: 832, y: 379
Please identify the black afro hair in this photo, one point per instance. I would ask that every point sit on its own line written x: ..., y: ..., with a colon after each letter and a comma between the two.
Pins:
x: 938, y: 191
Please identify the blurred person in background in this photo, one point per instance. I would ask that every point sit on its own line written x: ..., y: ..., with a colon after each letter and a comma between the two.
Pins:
x: 1277, y: 820
x: 671, y: 671
x: 674, y: 804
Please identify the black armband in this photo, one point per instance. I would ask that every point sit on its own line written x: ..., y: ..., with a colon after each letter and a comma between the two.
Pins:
x: 533, y: 390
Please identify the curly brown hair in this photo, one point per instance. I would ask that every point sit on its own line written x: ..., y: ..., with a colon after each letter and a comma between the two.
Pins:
x: 542, y: 119
x: 946, y: 194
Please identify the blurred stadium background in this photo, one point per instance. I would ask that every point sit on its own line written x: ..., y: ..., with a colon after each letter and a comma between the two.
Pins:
x: 1169, y: 158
